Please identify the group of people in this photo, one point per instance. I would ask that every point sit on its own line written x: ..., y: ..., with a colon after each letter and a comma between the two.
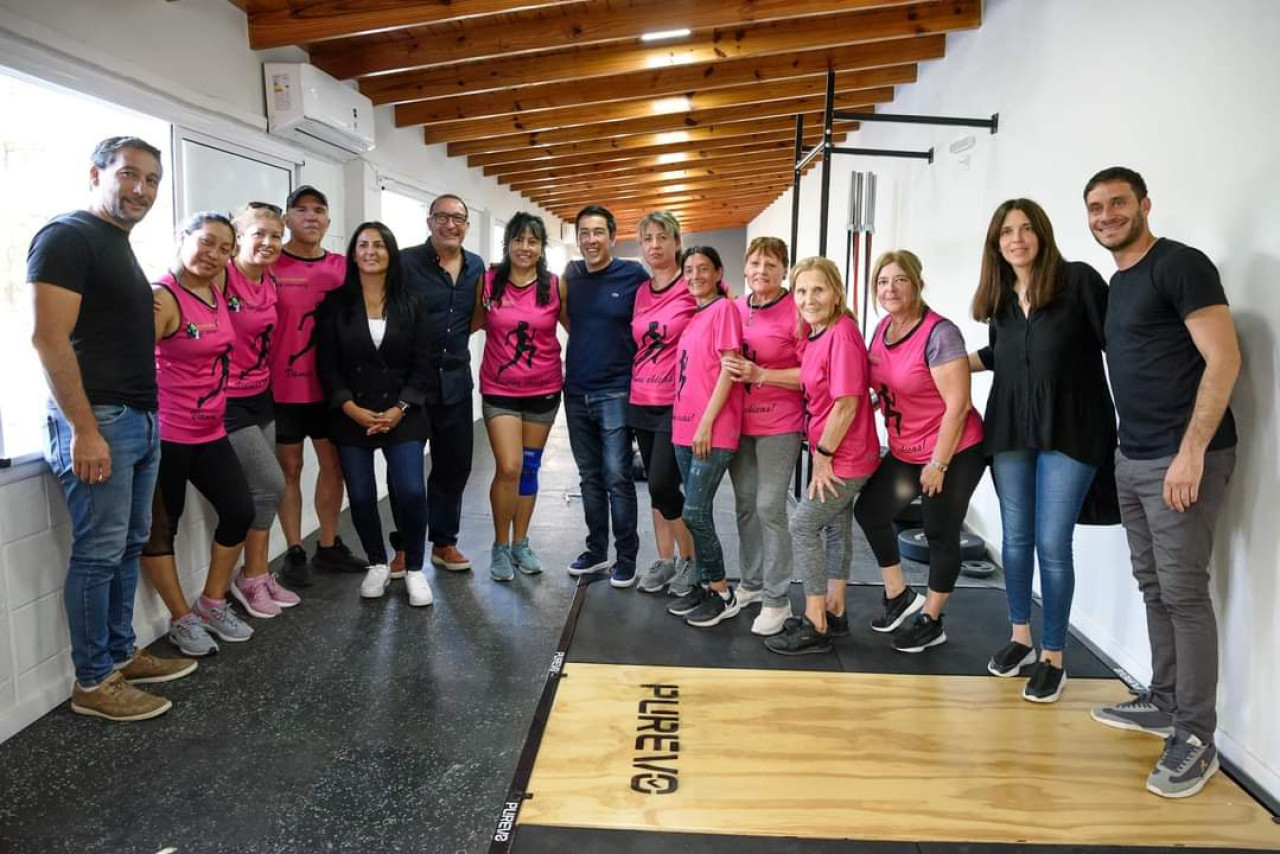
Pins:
x: 251, y: 345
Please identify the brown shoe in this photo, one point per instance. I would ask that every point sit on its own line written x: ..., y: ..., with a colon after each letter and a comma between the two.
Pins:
x: 398, y: 567
x: 145, y: 667
x: 117, y: 700
x: 450, y: 558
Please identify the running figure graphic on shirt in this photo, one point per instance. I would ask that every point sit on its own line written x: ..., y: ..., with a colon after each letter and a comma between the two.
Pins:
x: 654, y: 343
x: 261, y: 344
x: 311, y: 339
x: 751, y: 356
x: 684, y: 363
x: 890, y: 414
x: 524, y: 346
x: 222, y: 367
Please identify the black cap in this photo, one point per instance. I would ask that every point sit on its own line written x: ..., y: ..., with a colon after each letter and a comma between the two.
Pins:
x: 306, y: 190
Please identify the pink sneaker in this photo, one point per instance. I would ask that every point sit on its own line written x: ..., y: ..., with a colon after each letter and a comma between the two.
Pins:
x: 282, y: 597
x: 255, y: 597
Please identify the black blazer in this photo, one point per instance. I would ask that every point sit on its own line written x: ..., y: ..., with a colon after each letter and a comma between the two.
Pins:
x: 376, y: 378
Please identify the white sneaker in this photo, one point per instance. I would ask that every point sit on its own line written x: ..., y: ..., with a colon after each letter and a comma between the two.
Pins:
x: 770, y: 620
x: 420, y: 593
x: 747, y: 597
x: 375, y: 581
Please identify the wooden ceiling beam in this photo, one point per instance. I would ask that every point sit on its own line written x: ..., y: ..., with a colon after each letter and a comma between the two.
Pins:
x: 296, y: 23
x: 638, y: 178
x: 678, y: 201
x: 680, y: 123
x: 647, y: 166
x: 579, y: 198
x: 704, y: 51
x: 578, y: 24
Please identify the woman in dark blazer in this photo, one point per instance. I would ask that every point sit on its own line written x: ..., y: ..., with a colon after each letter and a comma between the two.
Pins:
x: 373, y: 364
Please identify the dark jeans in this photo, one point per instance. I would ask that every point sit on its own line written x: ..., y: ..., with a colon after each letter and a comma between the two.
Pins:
x: 601, y: 443
x: 895, y: 485
x: 404, y: 471
x: 452, y: 439
x: 702, y: 478
x: 110, y: 522
x: 1170, y: 552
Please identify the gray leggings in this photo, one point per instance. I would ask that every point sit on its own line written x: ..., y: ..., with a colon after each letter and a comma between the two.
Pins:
x: 761, y: 475
x: 822, y: 533
x: 255, y: 447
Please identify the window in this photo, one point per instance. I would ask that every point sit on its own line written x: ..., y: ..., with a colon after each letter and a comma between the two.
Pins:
x: 497, y: 231
x: 44, y: 171
x: 406, y: 216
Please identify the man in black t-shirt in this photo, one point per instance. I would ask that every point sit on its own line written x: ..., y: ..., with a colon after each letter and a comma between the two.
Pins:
x: 95, y: 335
x: 1173, y: 358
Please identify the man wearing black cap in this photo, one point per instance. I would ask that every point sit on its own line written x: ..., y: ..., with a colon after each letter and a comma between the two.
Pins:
x: 305, y: 273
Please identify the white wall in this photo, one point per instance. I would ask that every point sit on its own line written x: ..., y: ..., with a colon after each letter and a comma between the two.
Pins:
x: 186, y: 63
x: 731, y: 243
x: 1183, y: 92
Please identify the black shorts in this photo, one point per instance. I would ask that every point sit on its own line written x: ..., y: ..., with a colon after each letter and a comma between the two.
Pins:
x: 254, y: 411
x: 541, y: 408
x: 298, y: 421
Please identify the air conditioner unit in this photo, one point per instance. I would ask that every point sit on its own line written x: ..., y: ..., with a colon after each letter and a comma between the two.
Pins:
x: 310, y: 108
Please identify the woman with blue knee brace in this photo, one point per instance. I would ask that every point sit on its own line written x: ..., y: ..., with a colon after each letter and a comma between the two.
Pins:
x: 520, y: 384
x: 1050, y: 423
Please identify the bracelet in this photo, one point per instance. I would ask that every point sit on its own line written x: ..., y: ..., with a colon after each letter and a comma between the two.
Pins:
x: 939, y: 465
x: 403, y: 406
x: 824, y: 451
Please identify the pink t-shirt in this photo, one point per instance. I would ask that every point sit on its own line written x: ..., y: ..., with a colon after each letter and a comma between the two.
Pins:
x: 715, y: 328
x: 835, y: 365
x: 769, y: 339
x: 252, y: 306
x: 909, y: 398
x: 656, y: 325
x: 302, y: 284
x: 192, y: 368
x: 521, y: 351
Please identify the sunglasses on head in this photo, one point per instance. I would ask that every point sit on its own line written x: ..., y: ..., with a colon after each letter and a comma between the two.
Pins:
x: 275, y: 209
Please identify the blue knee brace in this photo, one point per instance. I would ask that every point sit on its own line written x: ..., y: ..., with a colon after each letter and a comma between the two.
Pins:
x: 529, y: 471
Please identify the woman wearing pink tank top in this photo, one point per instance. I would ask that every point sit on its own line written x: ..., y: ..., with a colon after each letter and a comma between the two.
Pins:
x: 920, y: 372
x: 194, y: 340
x: 772, y: 421
x: 518, y: 306
x: 663, y: 309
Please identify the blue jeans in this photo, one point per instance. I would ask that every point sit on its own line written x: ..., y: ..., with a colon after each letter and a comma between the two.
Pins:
x: 601, y: 443
x: 110, y: 523
x: 701, y: 480
x: 405, y: 477
x: 1040, y: 497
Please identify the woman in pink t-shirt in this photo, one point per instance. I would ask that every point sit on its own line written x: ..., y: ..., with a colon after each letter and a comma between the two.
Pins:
x: 920, y: 372
x: 706, y: 422
x: 842, y: 436
x: 194, y: 340
x: 772, y: 421
x: 521, y: 378
x: 663, y: 309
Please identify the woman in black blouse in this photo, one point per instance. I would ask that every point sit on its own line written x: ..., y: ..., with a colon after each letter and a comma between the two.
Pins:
x: 1050, y: 422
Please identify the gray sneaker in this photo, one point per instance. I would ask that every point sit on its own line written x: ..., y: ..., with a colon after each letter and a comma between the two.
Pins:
x: 1184, y: 768
x: 657, y: 576
x: 686, y: 577
x: 525, y: 558
x: 190, y: 637
x: 1138, y: 715
x: 223, y: 622
x: 500, y: 568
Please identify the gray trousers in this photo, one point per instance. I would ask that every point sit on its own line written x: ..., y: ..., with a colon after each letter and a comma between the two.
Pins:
x: 761, y: 475
x: 255, y: 447
x: 822, y: 532
x: 1170, y: 553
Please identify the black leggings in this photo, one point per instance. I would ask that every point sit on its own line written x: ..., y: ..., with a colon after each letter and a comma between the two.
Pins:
x: 214, y: 469
x: 895, y: 485
x: 664, y: 475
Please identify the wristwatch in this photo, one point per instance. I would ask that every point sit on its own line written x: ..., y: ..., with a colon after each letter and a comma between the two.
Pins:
x: 403, y: 406
x: 940, y: 466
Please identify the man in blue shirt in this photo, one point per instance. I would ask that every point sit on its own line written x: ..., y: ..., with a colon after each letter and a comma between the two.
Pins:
x: 601, y: 296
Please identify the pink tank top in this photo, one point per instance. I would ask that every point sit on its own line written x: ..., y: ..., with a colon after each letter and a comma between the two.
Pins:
x: 715, y: 328
x: 301, y: 286
x: 769, y: 339
x: 835, y: 366
x: 909, y: 398
x: 252, y: 306
x: 656, y: 325
x: 521, y: 351
x: 192, y: 368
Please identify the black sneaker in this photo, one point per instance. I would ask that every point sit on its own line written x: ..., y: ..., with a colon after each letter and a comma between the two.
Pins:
x: 296, y: 571
x: 837, y: 627
x: 897, y: 609
x: 688, y: 602
x: 1046, y: 683
x: 801, y: 638
x: 923, y: 633
x: 338, y: 558
x: 1010, y: 660
x: 714, y: 609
